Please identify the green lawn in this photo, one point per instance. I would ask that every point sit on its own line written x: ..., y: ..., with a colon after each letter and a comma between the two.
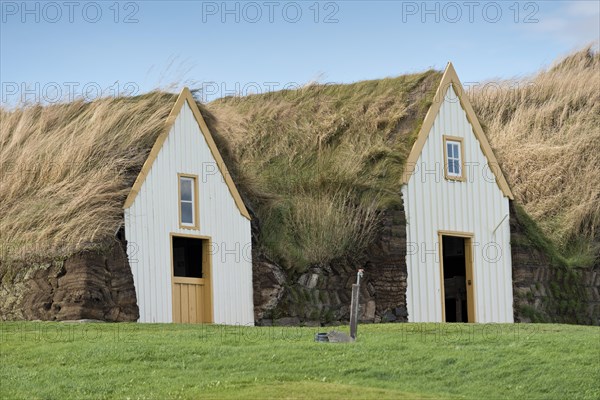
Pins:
x: 389, y: 361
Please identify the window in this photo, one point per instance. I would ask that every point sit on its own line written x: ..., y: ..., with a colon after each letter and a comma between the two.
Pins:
x: 454, y: 158
x: 188, y: 201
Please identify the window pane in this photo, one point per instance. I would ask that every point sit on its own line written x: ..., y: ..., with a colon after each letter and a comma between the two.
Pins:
x: 449, y: 150
x: 451, y: 167
x: 455, y: 150
x: 456, y: 167
x: 186, y: 189
x: 186, y: 213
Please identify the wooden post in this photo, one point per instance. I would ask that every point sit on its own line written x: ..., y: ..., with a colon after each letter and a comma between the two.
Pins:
x: 354, y: 305
x: 354, y: 311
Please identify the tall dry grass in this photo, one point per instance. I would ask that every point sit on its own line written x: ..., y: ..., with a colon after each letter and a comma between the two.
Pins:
x: 316, y: 163
x: 319, y: 161
x: 326, y: 227
x: 545, y: 130
x: 66, y: 169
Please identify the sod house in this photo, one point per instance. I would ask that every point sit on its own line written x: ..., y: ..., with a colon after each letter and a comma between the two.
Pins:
x: 394, y: 176
x: 456, y: 198
x: 125, y: 209
x: 121, y: 210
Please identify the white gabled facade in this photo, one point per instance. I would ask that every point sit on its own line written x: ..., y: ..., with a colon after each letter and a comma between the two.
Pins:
x: 476, y: 207
x: 152, y: 217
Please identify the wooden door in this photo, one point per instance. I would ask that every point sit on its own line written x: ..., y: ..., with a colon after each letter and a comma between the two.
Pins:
x: 469, y: 279
x: 191, y: 279
x: 190, y: 303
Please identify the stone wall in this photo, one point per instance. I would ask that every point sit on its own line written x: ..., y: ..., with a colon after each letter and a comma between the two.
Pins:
x: 545, y: 290
x: 591, y: 284
x: 321, y: 295
x: 87, y: 285
x: 99, y: 285
x: 386, y: 268
x: 268, y: 282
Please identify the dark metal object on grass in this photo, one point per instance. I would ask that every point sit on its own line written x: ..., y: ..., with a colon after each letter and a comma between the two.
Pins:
x: 321, y: 337
x: 333, y: 337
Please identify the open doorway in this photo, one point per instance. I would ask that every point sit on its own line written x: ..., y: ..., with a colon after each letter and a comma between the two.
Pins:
x: 187, y: 257
x: 191, y: 270
x: 457, y: 274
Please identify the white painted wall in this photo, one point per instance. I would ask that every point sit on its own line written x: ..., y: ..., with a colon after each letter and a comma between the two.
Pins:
x: 154, y: 215
x: 476, y: 206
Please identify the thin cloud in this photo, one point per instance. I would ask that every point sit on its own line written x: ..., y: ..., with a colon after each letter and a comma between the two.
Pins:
x: 573, y: 23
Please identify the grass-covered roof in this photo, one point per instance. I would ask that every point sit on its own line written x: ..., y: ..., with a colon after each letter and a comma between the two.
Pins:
x: 545, y: 130
x: 315, y: 163
x: 321, y: 160
x: 67, y: 168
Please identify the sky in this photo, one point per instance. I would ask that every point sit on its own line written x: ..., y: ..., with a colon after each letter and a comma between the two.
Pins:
x: 56, y: 50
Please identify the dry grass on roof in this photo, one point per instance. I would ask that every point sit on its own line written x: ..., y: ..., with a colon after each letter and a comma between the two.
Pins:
x: 319, y: 161
x: 66, y: 169
x: 316, y: 163
x: 545, y: 130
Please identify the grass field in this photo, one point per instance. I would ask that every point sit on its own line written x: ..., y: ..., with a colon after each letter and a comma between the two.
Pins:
x: 389, y: 361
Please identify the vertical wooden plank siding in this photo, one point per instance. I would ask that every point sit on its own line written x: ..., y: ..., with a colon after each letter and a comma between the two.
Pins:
x: 185, y: 303
x: 190, y: 303
x: 177, y: 304
x: 477, y: 205
x: 193, y: 301
x: 153, y: 217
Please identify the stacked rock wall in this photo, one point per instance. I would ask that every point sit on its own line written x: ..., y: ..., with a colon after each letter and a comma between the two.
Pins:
x: 321, y: 295
x: 87, y: 285
x: 99, y: 285
x: 544, y: 290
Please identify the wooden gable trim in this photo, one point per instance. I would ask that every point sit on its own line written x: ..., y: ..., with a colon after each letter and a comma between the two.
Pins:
x: 186, y: 96
x: 450, y: 78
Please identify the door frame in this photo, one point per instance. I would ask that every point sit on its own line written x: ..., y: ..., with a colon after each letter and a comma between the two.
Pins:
x: 206, y: 272
x: 469, y: 271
